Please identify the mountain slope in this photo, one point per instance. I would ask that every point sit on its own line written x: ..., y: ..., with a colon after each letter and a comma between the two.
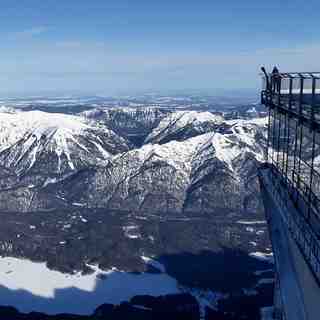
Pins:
x: 182, y: 125
x: 205, y: 173
x: 132, y: 123
x: 47, y: 145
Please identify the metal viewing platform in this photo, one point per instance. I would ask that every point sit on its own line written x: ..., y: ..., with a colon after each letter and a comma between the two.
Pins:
x: 297, y: 93
x: 290, y: 184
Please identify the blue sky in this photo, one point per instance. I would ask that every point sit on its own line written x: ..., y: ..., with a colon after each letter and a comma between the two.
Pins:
x: 111, y: 46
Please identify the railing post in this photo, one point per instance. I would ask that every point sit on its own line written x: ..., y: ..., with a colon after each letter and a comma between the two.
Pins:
x: 311, y: 172
x: 290, y: 92
x: 268, y: 137
x: 313, y: 99
x: 301, y: 96
x: 278, y: 84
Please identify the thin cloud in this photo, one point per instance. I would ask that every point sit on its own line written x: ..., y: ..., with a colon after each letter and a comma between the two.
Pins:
x: 31, y: 32
x: 71, y: 44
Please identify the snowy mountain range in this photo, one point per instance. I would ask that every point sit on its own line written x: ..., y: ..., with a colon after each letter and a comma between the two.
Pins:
x: 200, y: 173
x: 118, y: 188
x: 190, y: 161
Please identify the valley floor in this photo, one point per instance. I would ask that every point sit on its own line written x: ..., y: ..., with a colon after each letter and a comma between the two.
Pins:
x: 207, y: 257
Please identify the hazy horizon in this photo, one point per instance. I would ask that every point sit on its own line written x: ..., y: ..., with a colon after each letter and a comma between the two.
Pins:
x: 123, y: 46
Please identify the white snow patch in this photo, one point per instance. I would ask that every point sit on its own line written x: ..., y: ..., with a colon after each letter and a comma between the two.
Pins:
x: 154, y: 263
x: 131, y: 232
x: 102, y: 150
x: 32, y: 286
x: 49, y: 181
x: 265, y: 281
x: 78, y: 204
x: 252, y: 222
x: 133, y: 236
x: 252, y: 110
x: 268, y: 257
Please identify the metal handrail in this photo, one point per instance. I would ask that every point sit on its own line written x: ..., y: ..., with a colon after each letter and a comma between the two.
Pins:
x: 297, y: 93
x: 296, y: 75
x: 299, y: 75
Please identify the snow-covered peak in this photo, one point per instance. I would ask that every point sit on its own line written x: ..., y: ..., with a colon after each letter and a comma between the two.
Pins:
x: 178, y: 154
x: 36, y: 119
x: 13, y: 126
x: 186, y: 117
x: 254, y: 122
x: 58, y: 143
x: 190, y: 123
x: 240, y: 138
x: 5, y: 109
x: 230, y: 144
x: 225, y: 149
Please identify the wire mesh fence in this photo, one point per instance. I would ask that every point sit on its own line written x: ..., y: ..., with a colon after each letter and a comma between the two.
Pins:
x: 293, y: 154
x: 298, y: 93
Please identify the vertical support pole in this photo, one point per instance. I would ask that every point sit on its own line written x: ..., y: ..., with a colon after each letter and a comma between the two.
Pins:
x: 274, y: 122
x: 300, y: 153
x: 295, y: 156
x: 284, y: 143
x: 311, y: 172
x: 278, y: 84
x: 313, y: 98
x: 301, y: 95
x: 290, y: 92
x: 288, y: 143
x: 310, y: 199
x: 269, y: 133
x: 278, y: 142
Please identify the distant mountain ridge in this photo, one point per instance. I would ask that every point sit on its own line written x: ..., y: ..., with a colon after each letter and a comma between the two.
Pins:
x: 130, y: 123
x: 70, y: 159
x: 181, y: 125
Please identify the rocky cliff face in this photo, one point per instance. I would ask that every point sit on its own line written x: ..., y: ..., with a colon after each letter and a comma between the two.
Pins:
x: 133, y: 124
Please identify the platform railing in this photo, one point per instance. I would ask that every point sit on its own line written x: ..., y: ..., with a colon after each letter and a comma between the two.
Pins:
x: 297, y: 92
x: 298, y: 225
x: 293, y: 155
